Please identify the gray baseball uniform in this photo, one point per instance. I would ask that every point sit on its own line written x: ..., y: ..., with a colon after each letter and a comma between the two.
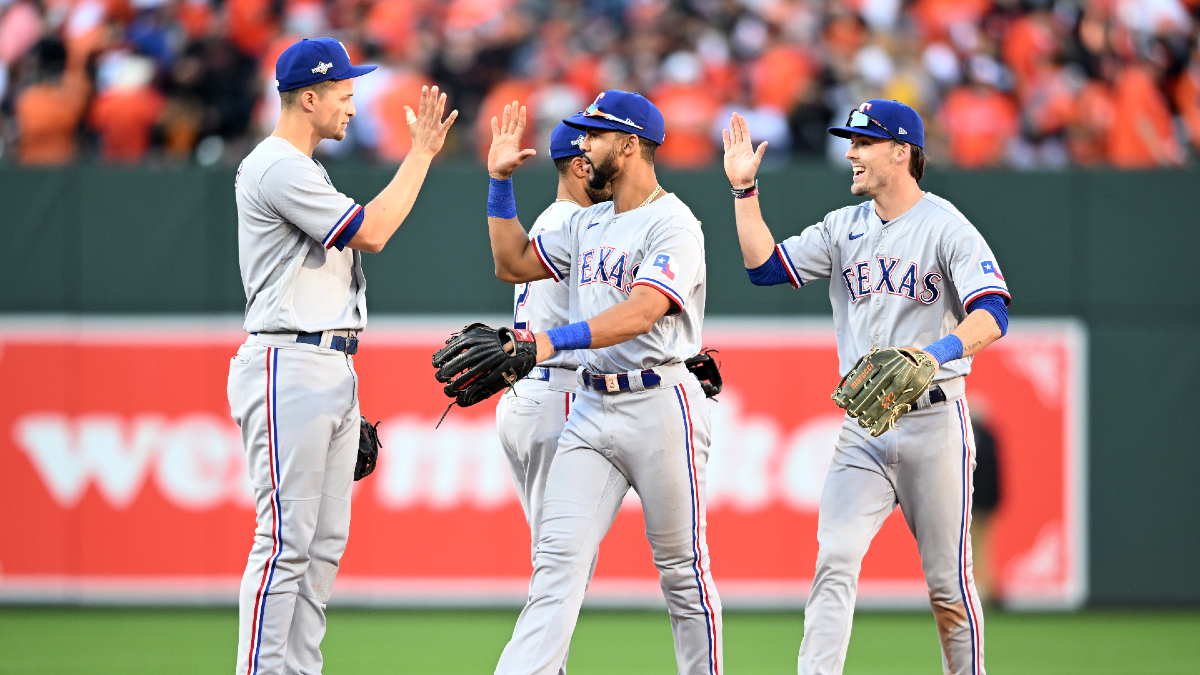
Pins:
x: 531, y: 414
x: 647, y: 427
x: 294, y: 393
x: 903, y: 283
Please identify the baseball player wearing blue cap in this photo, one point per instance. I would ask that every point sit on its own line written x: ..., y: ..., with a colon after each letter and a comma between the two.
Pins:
x: 907, y: 269
x: 635, y: 277
x: 532, y: 413
x: 292, y: 386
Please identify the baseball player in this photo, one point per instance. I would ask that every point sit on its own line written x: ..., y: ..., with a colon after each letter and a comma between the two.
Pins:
x: 635, y: 273
x: 907, y: 270
x: 292, y: 386
x: 531, y: 415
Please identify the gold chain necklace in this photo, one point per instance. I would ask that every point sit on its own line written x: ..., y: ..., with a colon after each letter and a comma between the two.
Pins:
x: 569, y: 200
x: 657, y: 189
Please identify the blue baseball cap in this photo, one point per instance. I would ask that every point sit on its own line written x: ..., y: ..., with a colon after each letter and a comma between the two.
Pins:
x: 884, y: 119
x: 565, y: 141
x: 311, y: 61
x: 622, y: 111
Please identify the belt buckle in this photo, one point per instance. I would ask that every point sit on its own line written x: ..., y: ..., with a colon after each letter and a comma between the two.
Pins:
x: 612, y: 383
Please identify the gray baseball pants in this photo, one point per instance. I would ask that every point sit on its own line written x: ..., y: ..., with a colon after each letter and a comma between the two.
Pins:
x: 656, y: 441
x: 925, y: 467
x: 297, y: 407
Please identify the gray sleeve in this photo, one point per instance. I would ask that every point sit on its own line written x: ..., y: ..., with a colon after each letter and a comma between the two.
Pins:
x: 297, y: 190
x: 806, y: 256
x: 556, y: 247
x: 674, y: 257
x: 973, y: 267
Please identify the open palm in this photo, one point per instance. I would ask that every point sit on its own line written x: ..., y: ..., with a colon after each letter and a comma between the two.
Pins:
x: 506, y: 154
x: 741, y: 159
x: 426, y: 126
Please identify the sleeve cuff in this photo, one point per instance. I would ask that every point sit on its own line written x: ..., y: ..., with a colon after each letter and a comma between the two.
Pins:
x: 666, y: 290
x: 352, y: 215
x: 793, y: 275
x: 545, y: 259
x: 987, y: 290
x: 351, y: 229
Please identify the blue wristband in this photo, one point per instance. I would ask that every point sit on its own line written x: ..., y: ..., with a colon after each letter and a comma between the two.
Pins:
x: 501, y: 202
x: 576, y: 335
x: 946, y: 349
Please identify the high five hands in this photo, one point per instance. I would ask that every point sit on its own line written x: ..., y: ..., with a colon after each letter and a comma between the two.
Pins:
x: 506, y: 154
x: 426, y: 126
x: 741, y: 159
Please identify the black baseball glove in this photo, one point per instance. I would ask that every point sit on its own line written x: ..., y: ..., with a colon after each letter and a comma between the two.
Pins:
x: 705, y: 369
x: 368, y: 448
x: 474, y: 366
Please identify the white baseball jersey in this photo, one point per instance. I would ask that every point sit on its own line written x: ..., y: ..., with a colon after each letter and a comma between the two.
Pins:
x: 900, y: 284
x: 544, y: 304
x: 292, y: 227
x: 604, y: 256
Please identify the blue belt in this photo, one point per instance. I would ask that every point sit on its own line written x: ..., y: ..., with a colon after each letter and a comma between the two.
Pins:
x: 338, y: 342
x: 600, y: 382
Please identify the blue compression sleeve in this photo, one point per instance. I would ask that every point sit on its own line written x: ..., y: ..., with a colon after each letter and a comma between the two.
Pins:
x: 576, y: 335
x: 994, y: 304
x: 501, y: 202
x: 770, y: 273
x: 946, y: 349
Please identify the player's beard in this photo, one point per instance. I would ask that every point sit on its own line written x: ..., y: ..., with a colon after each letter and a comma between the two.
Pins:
x: 600, y: 178
x: 598, y: 196
x: 873, y: 185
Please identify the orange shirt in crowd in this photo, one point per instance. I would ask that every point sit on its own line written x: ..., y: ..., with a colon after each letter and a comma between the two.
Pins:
x: 688, y: 112
x: 1142, y: 135
x: 48, y: 117
x: 391, y: 23
x: 493, y: 106
x: 935, y: 17
x: 1028, y: 46
x: 1187, y: 101
x: 779, y: 76
x: 124, y: 119
x: 403, y: 88
x: 979, y: 122
x: 1090, y: 124
x: 250, y: 24
x: 1047, y: 101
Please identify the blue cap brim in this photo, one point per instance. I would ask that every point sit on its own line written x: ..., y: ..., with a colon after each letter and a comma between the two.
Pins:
x: 844, y: 132
x: 581, y: 121
x: 356, y: 71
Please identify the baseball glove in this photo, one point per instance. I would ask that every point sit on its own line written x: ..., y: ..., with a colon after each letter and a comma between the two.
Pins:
x: 706, y: 370
x: 884, y: 385
x: 474, y: 366
x: 368, y: 448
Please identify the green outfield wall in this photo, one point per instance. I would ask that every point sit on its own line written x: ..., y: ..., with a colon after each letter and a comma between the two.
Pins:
x: 1117, y: 250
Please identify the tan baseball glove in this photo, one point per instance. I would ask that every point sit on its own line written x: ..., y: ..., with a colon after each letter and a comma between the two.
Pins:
x: 884, y: 385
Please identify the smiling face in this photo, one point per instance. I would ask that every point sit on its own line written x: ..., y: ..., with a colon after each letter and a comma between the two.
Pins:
x: 877, y: 163
x: 332, y: 109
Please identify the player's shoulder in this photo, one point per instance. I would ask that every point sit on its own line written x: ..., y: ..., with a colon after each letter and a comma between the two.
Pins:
x: 675, y: 214
x: 939, y: 207
x: 277, y: 158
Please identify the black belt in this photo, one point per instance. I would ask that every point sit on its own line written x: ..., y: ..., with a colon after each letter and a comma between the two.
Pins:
x: 601, y: 382
x: 936, y: 395
x: 337, y: 342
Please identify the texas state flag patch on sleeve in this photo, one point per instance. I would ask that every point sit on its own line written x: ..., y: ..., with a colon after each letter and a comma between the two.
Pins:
x: 663, y: 262
x: 989, y: 267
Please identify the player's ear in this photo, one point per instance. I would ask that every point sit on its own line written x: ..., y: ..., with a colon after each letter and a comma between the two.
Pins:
x: 579, y: 167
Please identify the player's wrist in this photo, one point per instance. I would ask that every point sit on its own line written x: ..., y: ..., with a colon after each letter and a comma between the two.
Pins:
x: 501, y: 201
x: 946, y: 349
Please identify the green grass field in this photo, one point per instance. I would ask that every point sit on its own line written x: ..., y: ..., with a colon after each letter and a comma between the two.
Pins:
x: 362, y: 642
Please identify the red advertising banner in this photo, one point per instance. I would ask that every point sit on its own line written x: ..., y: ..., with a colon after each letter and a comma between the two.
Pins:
x: 123, y: 478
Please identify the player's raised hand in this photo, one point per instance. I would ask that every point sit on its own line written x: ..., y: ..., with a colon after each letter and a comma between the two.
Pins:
x: 741, y: 159
x: 426, y: 127
x: 506, y: 154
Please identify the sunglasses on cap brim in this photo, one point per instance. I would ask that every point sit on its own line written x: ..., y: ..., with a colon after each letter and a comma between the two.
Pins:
x: 861, y: 120
x: 593, y: 110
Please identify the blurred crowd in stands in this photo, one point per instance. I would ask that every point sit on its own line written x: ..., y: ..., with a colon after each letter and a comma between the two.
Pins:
x: 1019, y: 83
